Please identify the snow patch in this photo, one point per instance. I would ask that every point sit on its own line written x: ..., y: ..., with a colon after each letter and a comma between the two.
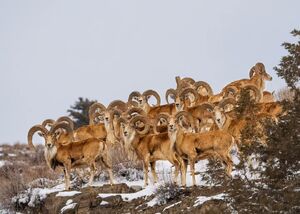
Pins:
x: 67, y: 193
x: 201, y: 199
x: 68, y: 207
x: 34, y: 196
x: 172, y: 205
x: 149, y: 190
x: 2, y: 163
x: 103, y: 203
x: 12, y: 155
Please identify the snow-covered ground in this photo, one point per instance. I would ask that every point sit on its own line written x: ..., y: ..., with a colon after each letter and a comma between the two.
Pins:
x: 165, y: 175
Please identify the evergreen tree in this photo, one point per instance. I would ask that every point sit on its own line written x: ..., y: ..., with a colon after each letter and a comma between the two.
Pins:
x: 80, y: 111
x: 274, y: 184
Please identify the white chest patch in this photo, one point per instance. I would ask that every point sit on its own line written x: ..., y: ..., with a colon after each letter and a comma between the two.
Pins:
x: 49, y: 154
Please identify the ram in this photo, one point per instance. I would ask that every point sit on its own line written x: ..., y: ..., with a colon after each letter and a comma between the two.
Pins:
x: 198, y: 146
x: 73, y: 154
x: 258, y: 76
x: 149, y: 147
x: 226, y: 117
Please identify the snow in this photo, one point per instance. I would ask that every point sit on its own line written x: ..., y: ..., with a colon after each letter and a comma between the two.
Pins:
x: 2, y: 163
x: 67, y: 193
x: 70, y: 201
x: 149, y: 190
x: 172, y: 205
x: 153, y: 202
x: 103, y: 203
x: 164, y: 172
x: 32, y: 197
x: 12, y: 155
x: 68, y: 207
x: 201, y: 199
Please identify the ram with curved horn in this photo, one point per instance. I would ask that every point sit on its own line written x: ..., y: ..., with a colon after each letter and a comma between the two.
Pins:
x: 148, y: 147
x: 229, y: 120
x: 198, y: 146
x: 109, y: 117
x: 73, y: 154
x: 258, y: 76
x: 184, y: 82
x: 142, y: 99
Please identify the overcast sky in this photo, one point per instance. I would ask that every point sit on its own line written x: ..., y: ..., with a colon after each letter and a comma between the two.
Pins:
x: 52, y: 52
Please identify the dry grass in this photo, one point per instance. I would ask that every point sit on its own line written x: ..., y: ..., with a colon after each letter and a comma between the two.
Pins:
x: 22, y: 167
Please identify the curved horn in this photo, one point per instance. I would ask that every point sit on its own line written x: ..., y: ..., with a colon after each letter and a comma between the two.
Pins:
x: 131, y: 104
x: 62, y: 125
x: 186, y: 91
x: 66, y: 120
x: 142, y: 119
x: 208, y: 106
x: 187, y: 115
x: 231, y: 89
x: 114, y: 112
x: 122, y: 120
x: 133, y: 94
x: 255, y: 90
x: 254, y: 69
x: 171, y: 92
x: 188, y: 80
x: 92, y: 110
x: 204, y: 85
x: 131, y: 111
x: 119, y: 104
x: 48, y: 122
x: 227, y: 101
x: 152, y: 93
x: 31, y: 132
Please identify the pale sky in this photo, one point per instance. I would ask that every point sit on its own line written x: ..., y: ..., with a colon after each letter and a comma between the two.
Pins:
x: 52, y: 52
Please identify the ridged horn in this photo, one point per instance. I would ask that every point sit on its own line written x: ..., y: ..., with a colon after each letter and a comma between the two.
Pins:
x: 142, y: 119
x: 255, y: 90
x: 66, y: 120
x: 208, y: 106
x: 256, y: 68
x: 133, y: 94
x: 119, y: 104
x: 148, y: 93
x: 227, y: 101
x: 92, y: 110
x: 136, y: 110
x: 230, y: 89
x: 187, y: 115
x: 48, y: 122
x: 186, y: 91
x: 33, y: 130
x: 171, y: 92
x: 204, y: 85
x: 188, y: 80
x: 114, y: 112
x: 62, y: 125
